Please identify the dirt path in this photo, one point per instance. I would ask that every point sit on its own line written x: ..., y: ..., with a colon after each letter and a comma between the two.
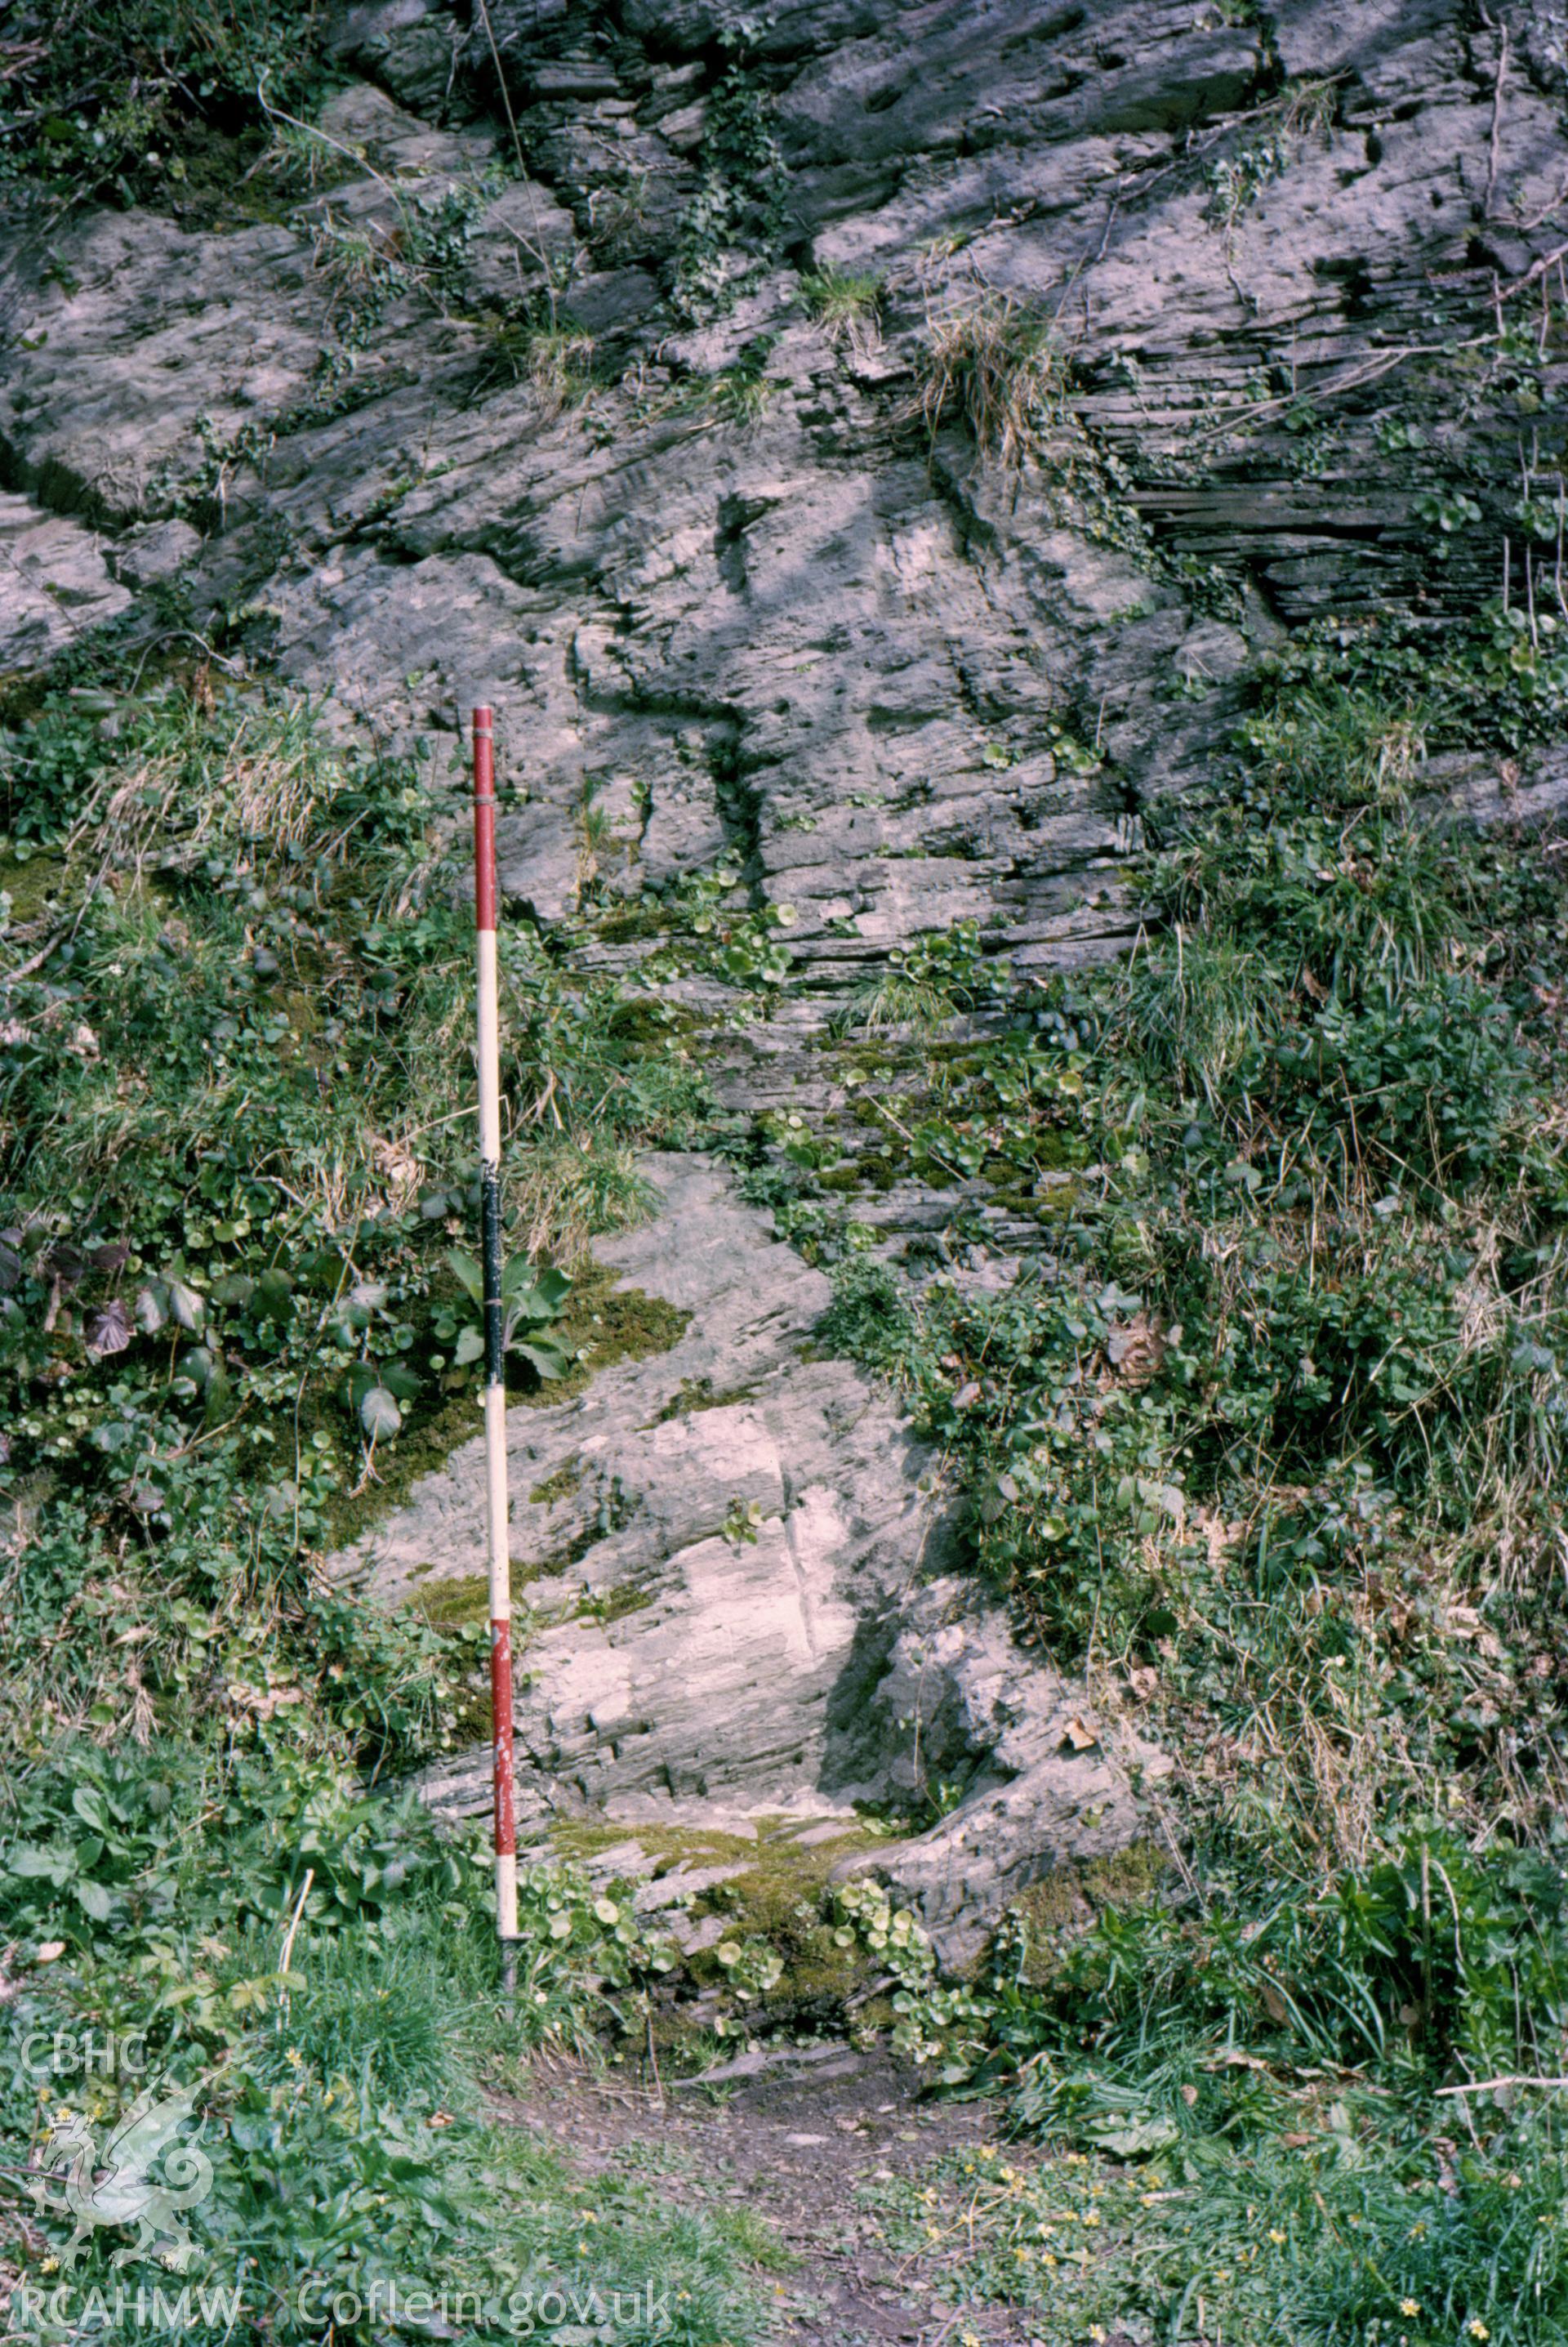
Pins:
x: 798, y: 2145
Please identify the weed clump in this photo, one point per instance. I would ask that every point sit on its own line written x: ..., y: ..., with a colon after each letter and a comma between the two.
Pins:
x: 847, y: 306
x: 993, y: 368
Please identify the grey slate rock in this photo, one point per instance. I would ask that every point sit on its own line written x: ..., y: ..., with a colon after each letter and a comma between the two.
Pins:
x: 849, y: 657
x: 781, y: 1673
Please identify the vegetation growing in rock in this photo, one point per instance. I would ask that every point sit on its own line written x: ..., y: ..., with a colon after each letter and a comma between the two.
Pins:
x: 1274, y: 1447
x: 185, y: 82
x: 733, y: 225
x: 994, y: 366
x: 231, y: 1092
x: 1266, y: 1434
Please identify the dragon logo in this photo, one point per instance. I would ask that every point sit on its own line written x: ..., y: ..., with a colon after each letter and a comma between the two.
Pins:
x: 115, y: 2186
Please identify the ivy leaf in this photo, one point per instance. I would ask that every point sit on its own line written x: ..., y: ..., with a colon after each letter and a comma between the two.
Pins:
x: 188, y: 1308
x: 470, y: 1347
x: 151, y: 1307
x: 108, y: 1331
x: 380, y: 1414
x: 549, y: 1359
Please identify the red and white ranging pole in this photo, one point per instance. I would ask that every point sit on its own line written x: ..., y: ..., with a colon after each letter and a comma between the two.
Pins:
x: 495, y: 1497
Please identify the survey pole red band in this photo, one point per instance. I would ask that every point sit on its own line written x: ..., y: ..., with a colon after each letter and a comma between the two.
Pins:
x: 483, y: 819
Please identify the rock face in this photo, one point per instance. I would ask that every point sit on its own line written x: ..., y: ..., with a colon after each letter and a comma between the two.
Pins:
x: 813, y: 1654
x: 54, y: 582
x: 788, y: 622
x: 781, y: 618
x: 622, y: 406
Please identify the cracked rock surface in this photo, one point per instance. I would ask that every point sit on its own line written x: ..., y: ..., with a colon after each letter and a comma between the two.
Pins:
x: 676, y: 1672
x: 734, y: 595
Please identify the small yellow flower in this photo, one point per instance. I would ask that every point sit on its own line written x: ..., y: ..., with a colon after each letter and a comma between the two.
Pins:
x: 1477, y: 2329
x: 1410, y: 2306
x: 985, y: 2151
x: 49, y: 2265
x: 1097, y: 2334
x: 1277, y: 2236
x: 1091, y: 2217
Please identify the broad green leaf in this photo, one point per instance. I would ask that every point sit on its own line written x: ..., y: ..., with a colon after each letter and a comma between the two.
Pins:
x: 465, y: 1270
x: 37, y: 1865
x: 275, y: 1293
x: 188, y: 1308
x: 151, y: 1307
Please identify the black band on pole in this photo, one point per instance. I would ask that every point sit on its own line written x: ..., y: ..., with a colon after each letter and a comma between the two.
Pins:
x: 490, y: 1259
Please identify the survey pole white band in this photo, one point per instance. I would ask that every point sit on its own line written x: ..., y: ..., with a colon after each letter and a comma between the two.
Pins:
x: 497, y: 1540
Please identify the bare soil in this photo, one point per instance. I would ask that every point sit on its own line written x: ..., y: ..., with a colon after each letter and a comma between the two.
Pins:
x: 804, y: 2146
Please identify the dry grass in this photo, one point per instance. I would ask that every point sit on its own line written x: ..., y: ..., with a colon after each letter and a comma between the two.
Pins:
x: 560, y: 1191
x: 992, y: 367
x: 263, y: 783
